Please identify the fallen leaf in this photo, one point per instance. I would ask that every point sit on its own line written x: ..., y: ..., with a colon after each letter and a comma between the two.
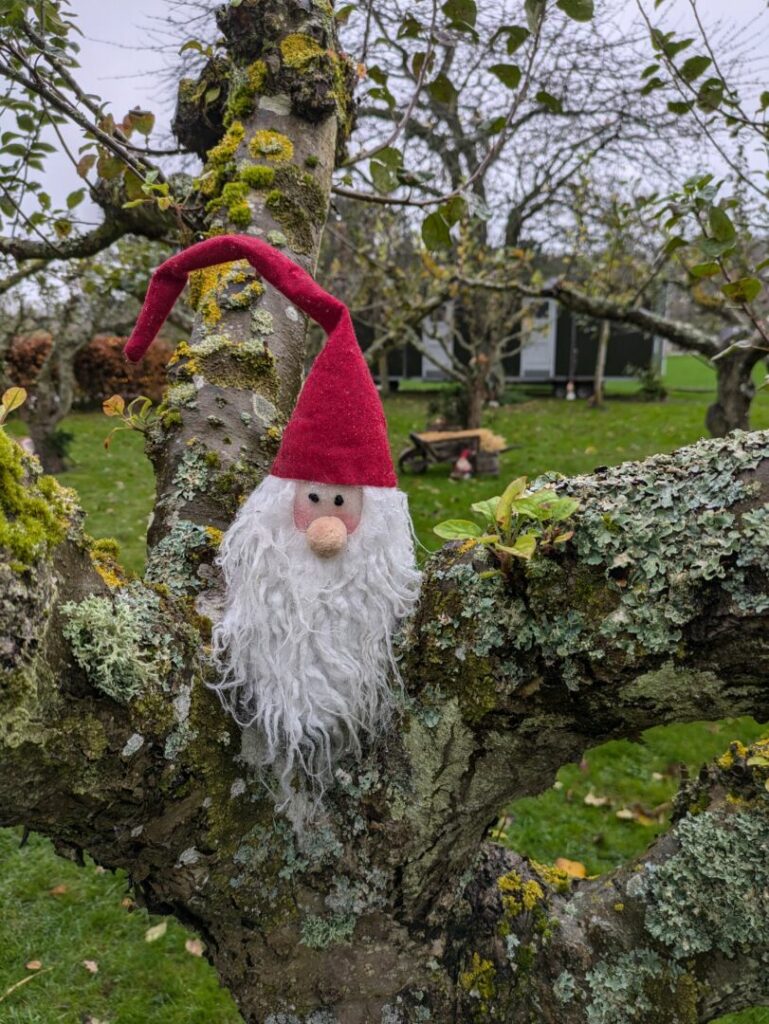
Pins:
x: 596, y: 801
x: 33, y: 965
x: 127, y: 903
x: 194, y: 947
x: 91, y: 966
x: 573, y: 868
x: 156, y: 932
x: 100, y: 870
x: 625, y: 814
x: 58, y: 890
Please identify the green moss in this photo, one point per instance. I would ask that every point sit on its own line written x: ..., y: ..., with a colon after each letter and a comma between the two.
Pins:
x: 34, y: 510
x: 311, y: 161
x: 239, y: 214
x: 256, y: 73
x: 257, y: 176
x: 298, y: 204
x: 221, y: 160
x: 478, y: 981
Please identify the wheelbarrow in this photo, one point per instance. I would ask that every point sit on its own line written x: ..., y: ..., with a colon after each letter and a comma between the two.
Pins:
x: 439, y: 446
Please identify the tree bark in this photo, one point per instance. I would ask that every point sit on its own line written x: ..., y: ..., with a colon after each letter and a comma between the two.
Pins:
x: 604, y: 332
x: 735, y: 391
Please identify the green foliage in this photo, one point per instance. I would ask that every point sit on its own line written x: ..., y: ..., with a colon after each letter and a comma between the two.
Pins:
x: 515, y: 523
x: 32, y: 516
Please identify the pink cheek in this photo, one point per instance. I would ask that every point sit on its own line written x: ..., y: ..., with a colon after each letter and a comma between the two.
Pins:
x: 349, y: 520
x: 302, y: 517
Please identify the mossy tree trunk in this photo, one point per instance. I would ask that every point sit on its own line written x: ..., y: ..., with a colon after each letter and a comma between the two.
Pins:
x: 394, y: 908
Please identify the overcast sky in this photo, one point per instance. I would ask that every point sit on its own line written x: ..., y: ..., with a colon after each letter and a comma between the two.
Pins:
x: 117, y: 65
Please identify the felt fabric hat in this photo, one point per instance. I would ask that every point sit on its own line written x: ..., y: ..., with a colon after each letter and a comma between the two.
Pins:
x: 337, y: 433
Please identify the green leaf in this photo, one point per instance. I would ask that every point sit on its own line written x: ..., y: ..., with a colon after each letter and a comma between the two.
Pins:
x: 694, y: 67
x: 721, y: 226
x: 435, y: 232
x: 707, y: 269
x: 383, y: 177
x: 75, y: 198
x: 524, y: 547
x: 651, y: 85
x: 457, y: 529
x: 486, y: 508
x: 744, y: 290
x: 764, y: 100
x: 552, y: 103
x: 516, y: 37
x: 143, y: 121
x: 453, y: 210
x: 535, y: 11
x: 513, y: 490
x: 676, y: 242
x: 508, y: 74
x: 578, y: 10
x: 442, y: 89
x: 680, y: 107
x: 461, y: 12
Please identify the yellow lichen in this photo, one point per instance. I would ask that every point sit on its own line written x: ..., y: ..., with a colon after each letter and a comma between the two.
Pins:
x: 219, y: 156
x: 478, y: 981
x: 215, y: 535
x: 297, y: 50
x: 556, y: 878
x: 256, y: 74
x: 272, y: 146
x: 518, y: 895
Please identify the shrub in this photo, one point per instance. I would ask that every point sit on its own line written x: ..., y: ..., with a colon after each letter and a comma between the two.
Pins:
x: 26, y: 356
x: 101, y: 370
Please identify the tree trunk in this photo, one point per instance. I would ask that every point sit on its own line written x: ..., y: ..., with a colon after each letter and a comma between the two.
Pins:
x: 735, y: 391
x: 476, y: 400
x: 384, y: 374
x: 600, y: 364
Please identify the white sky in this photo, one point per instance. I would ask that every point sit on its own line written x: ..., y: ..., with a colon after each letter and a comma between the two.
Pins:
x: 116, y: 64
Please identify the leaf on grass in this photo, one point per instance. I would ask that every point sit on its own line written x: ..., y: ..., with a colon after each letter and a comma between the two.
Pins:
x: 156, y: 932
x: 194, y: 947
x: 58, y: 890
x: 573, y: 868
x: 596, y: 801
x: 91, y: 966
x: 33, y: 965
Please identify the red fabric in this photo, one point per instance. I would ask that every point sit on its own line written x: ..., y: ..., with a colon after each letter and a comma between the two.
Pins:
x: 337, y: 433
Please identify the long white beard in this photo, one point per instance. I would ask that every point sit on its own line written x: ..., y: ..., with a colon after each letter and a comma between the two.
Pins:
x: 305, y: 645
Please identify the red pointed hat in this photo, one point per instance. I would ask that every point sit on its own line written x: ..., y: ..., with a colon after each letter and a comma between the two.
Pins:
x: 337, y: 433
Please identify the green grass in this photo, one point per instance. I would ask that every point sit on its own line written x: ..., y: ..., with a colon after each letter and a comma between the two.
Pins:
x: 161, y: 982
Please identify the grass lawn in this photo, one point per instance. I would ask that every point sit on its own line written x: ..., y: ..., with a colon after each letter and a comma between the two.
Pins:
x: 628, y: 786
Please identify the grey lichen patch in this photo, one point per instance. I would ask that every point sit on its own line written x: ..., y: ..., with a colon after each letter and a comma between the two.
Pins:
x: 192, y: 472
x: 121, y: 642
x: 622, y: 988
x: 180, y: 396
x: 262, y: 321
x: 652, y: 690
x: 348, y: 899
x: 565, y: 988
x: 133, y: 745
x: 713, y: 894
x: 175, y: 560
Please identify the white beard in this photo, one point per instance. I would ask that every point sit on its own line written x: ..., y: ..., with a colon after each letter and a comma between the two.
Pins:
x: 304, y: 648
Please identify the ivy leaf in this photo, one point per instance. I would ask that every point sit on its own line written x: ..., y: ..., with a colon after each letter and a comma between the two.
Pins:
x: 457, y: 529
x: 577, y: 10
x: 744, y: 290
x: 435, y: 232
x: 508, y: 74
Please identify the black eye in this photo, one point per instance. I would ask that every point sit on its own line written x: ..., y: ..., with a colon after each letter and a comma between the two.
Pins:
x: 339, y: 500
x: 314, y: 498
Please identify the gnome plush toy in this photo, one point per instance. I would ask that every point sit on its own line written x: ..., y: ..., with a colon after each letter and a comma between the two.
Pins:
x: 319, y: 563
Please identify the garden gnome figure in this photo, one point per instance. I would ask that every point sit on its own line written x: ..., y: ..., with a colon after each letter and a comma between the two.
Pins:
x: 319, y: 563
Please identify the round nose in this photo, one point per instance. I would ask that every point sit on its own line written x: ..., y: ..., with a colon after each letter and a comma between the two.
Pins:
x: 326, y: 536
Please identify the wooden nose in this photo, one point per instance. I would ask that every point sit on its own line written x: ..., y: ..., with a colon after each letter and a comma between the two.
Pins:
x: 326, y: 536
